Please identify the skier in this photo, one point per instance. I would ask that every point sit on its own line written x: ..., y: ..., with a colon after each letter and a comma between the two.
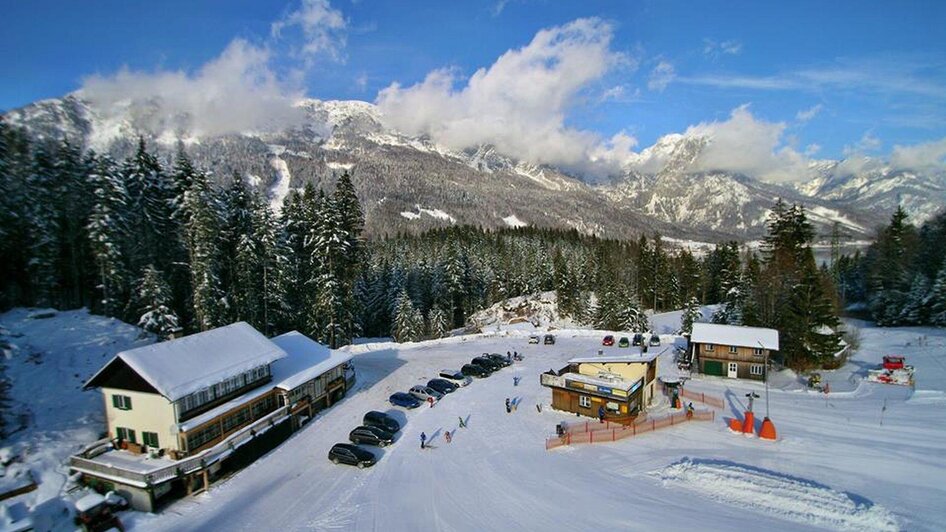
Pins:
x: 423, y: 440
x: 462, y: 424
x: 430, y: 400
x: 508, y: 408
x: 690, y: 410
x: 601, y: 414
x: 515, y: 381
x: 447, y: 436
x: 538, y: 406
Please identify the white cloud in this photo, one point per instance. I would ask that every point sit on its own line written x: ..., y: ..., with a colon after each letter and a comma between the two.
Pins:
x: 361, y: 81
x: 812, y: 149
x: 236, y: 91
x: 807, y: 114
x: 322, y: 29
x: 714, y: 49
x: 661, y: 76
x: 926, y: 156
x: 518, y: 103
x: 745, y: 144
x: 615, y: 152
x: 868, y: 143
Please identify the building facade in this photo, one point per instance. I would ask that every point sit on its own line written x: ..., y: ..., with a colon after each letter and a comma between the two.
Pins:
x: 187, y: 405
x: 623, y: 385
x: 732, y: 351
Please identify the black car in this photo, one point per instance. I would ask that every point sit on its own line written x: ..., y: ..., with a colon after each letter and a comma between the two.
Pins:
x: 500, y: 359
x: 549, y: 339
x: 442, y: 385
x: 487, y: 363
x: 382, y: 421
x: 371, y: 436
x: 474, y: 370
x: 638, y: 340
x: 346, y: 453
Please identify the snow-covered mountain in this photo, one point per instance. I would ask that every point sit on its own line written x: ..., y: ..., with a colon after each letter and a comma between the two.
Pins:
x: 876, y: 187
x: 410, y: 183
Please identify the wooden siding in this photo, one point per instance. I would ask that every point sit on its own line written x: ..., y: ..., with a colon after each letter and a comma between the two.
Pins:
x: 722, y: 352
x: 743, y: 370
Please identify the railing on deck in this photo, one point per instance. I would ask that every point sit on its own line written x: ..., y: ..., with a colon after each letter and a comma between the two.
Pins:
x: 191, y: 464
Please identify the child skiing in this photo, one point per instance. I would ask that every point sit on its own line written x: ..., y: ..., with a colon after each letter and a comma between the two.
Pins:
x: 462, y: 423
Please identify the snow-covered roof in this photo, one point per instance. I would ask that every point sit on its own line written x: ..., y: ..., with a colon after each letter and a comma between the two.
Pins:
x: 737, y: 335
x: 617, y: 359
x: 306, y: 360
x: 618, y: 384
x: 185, y: 365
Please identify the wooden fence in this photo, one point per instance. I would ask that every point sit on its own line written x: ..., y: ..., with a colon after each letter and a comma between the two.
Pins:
x: 573, y: 434
x: 708, y: 400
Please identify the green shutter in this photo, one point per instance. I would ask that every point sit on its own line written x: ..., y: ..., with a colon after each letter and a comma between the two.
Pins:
x: 713, y: 367
x: 127, y: 403
x: 116, y: 402
x: 131, y: 436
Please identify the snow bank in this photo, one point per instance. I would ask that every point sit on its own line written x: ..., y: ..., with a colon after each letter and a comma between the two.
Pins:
x: 775, y: 494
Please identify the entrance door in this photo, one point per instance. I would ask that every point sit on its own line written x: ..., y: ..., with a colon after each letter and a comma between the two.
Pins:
x: 733, y: 370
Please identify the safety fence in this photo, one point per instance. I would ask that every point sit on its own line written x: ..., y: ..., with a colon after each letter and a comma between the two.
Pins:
x: 573, y: 436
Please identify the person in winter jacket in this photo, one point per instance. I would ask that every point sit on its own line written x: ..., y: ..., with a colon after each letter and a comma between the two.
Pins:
x: 508, y: 408
x: 462, y: 423
x: 423, y: 440
x: 601, y: 414
x: 447, y: 436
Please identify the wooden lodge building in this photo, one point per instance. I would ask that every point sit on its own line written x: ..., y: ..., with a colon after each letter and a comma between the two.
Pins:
x: 623, y: 384
x: 180, y: 408
x: 732, y: 351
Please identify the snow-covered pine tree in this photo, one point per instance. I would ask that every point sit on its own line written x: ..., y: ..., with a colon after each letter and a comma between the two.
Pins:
x: 333, y: 304
x: 108, y: 235
x: 243, y: 265
x: 691, y: 314
x: 437, y: 320
x: 937, y: 299
x: 405, y: 327
x: 150, y: 195
x: 914, y: 309
x: 43, y: 228
x: 203, y: 230
x: 154, y: 297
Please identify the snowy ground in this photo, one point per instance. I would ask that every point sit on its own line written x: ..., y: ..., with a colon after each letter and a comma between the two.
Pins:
x: 835, y: 466
x: 49, y: 417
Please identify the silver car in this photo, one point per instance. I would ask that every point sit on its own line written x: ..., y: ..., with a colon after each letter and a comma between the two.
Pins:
x: 425, y: 392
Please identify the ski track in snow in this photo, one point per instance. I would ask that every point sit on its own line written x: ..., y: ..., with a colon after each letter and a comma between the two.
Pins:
x: 772, y: 493
x: 280, y: 188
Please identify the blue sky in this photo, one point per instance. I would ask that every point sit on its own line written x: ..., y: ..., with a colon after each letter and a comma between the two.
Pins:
x: 827, y: 79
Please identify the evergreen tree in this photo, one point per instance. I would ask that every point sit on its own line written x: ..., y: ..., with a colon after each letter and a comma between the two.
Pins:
x: 202, y: 229
x: 108, y: 235
x: 43, y: 230
x: 405, y: 326
x: 154, y: 296
x: 691, y: 314
x: 438, y: 323
x: 937, y: 299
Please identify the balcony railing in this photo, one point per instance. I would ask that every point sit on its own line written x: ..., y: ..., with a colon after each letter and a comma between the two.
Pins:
x: 161, y: 474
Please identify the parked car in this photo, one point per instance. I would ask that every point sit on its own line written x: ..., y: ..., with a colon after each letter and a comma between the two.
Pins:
x: 549, y: 339
x: 382, y: 421
x: 455, y: 376
x: 443, y: 385
x: 475, y: 370
x: 500, y: 359
x: 608, y: 341
x: 533, y: 339
x: 654, y: 340
x: 624, y: 342
x: 404, y: 399
x: 638, y: 340
x: 425, y: 392
x: 371, y: 436
x: 488, y: 363
x: 346, y: 453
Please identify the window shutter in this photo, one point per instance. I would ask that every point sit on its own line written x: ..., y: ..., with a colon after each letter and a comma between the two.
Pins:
x: 128, y: 402
x: 116, y: 401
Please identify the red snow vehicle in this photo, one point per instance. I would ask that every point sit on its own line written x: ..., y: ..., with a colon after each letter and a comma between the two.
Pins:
x: 894, y: 370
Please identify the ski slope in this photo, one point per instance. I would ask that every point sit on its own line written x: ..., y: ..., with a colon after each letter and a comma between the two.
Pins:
x: 835, y: 466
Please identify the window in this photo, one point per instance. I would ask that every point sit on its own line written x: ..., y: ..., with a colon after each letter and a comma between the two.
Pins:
x: 150, y: 439
x: 757, y: 352
x: 732, y: 349
x: 708, y: 347
x: 757, y: 370
x: 125, y: 434
x: 584, y: 401
x: 121, y: 402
